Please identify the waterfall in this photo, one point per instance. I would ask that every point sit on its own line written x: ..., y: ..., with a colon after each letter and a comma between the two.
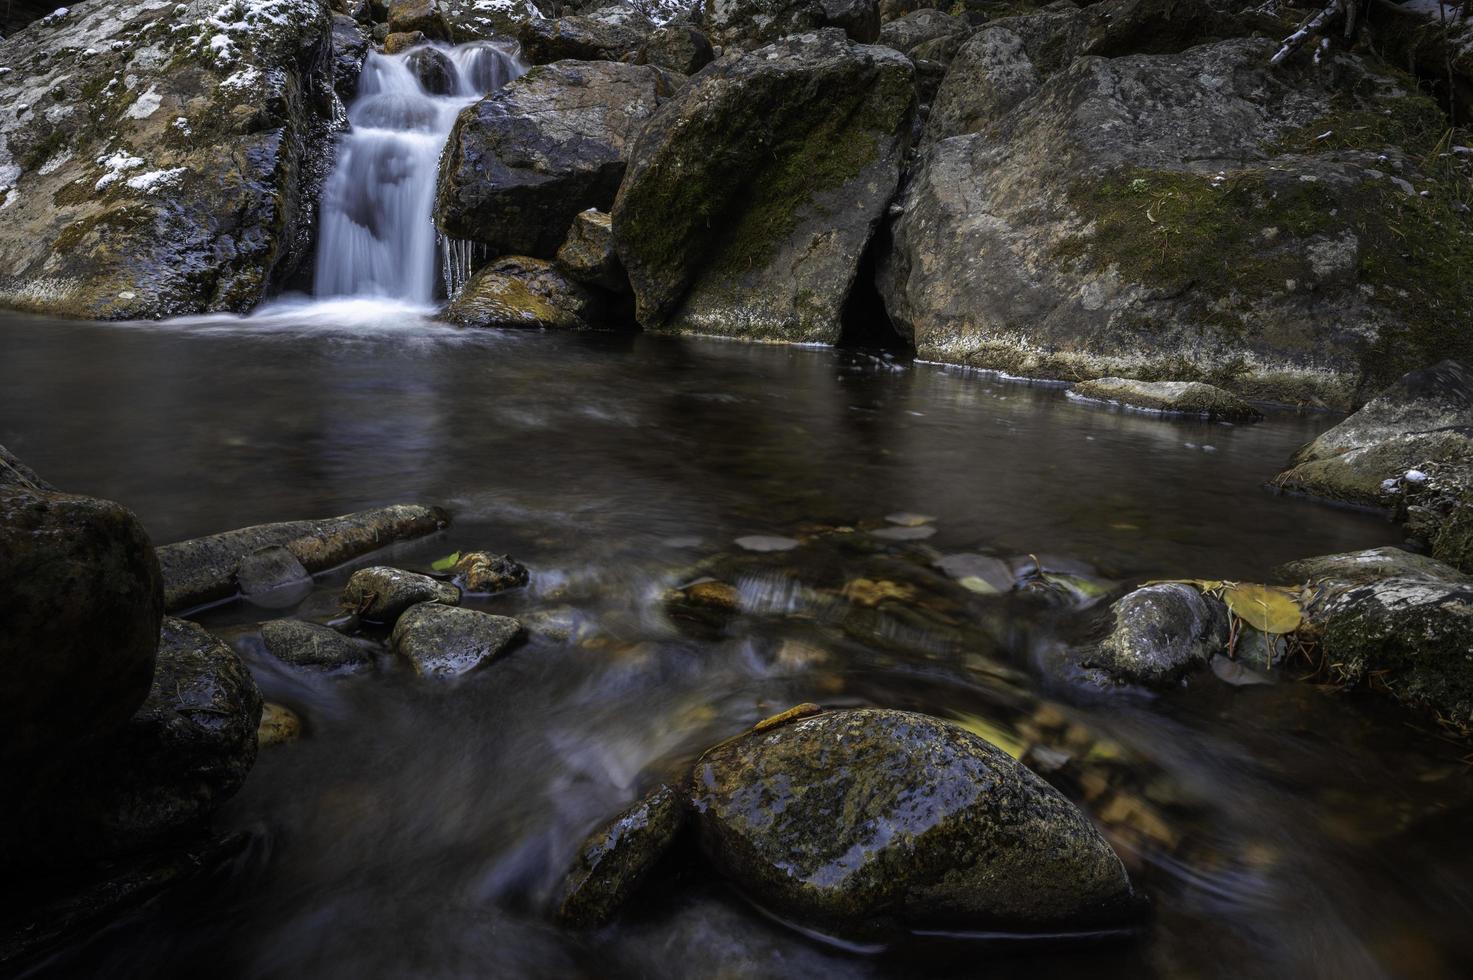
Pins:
x: 377, y: 237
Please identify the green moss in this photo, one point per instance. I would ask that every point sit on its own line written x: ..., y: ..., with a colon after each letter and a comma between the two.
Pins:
x: 44, y: 149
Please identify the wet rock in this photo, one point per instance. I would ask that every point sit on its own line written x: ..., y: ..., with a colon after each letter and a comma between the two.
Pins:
x: 518, y: 291
x: 447, y: 641
x: 904, y: 34
x: 587, y: 255
x: 204, y: 569
x: 402, y: 41
x: 272, y: 577
x: 181, y: 755
x: 1409, y: 449
x: 606, y: 34
x: 81, y: 600
x: 279, y: 725
x: 615, y: 859
x: 848, y: 820
x: 479, y: 20
x: 523, y: 162
x: 988, y: 77
x: 481, y: 571
x: 742, y: 25
x: 310, y: 645
x: 678, y: 47
x: 381, y: 593
x: 157, y: 161
x: 350, y: 46
x: 751, y: 194
x: 1160, y: 633
x: 422, y: 16
x: 1408, y: 634
x: 1078, y: 285
x: 1185, y: 399
x: 434, y: 70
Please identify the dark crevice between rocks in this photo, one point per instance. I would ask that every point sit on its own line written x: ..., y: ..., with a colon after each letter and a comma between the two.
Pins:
x: 864, y: 322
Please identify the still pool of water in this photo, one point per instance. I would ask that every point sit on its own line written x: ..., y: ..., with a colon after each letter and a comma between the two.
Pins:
x: 419, y: 830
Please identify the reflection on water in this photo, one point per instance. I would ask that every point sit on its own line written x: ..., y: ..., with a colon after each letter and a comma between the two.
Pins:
x: 1281, y: 830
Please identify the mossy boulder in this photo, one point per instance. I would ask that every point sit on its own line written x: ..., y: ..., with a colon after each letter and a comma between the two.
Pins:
x: 752, y: 194
x: 679, y: 47
x: 523, y: 162
x: 742, y: 25
x: 1179, y: 399
x: 381, y: 593
x: 422, y: 16
x: 1160, y: 633
x: 448, y: 641
x: 159, y: 159
x: 616, y: 858
x: 81, y: 600
x: 861, y: 821
x: 521, y: 292
x: 1192, y: 216
x: 1399, y: 624
x: 183, y: 753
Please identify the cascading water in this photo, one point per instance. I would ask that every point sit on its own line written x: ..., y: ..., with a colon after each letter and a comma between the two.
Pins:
x: 377, y: 236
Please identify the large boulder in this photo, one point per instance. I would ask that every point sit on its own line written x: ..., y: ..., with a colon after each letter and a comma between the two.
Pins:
x: 418, y: 16
x: 986, y: 79
x: 907, y: 33
x: 81, y: 600
x: 587, y: 255
x: 181, y: 755
x: 677, y: 47
x: 1189, y: 216
x: 524, y: 161
x: 606, y: 34
x: 752, y: 194
x: 483, y: 20
x: 848, y: 820
x: 161, y: 159
x: 1397, y: 623
x: 350, y: 47
x: 206, y: 569
x: 742, y: 25
x: 520, y: 292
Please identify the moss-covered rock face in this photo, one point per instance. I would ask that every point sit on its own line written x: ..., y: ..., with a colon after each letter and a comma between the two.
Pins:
x: 1177, y: 399
x: 862, y: 819
x: 520, y: 292
x: 160, y: 159
x: 741, y: 25
x: 182, y: 754
x: 1189, y: 216
x: 1410, y: 451
x: 1402, y: 624
x: 524, y: 161
x: 751, y: 194
x: 81, y: 600
x: 616, y: 858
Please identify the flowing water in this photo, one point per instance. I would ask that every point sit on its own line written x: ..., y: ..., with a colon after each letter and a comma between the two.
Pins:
x: 1280, y: 829
x: 377, y: 237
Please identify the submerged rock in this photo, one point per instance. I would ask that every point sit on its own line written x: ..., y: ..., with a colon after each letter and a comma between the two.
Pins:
x: 204, y: 569
x: 161, y: 159
x: 272, y: 577
x: 447, y: 641
x: 587, y: 254
x: 523, y: 162
x: 81, y: 601
x: 381, y: 593
x: 615, y: 859
x: 1191, y: 399
x: 1283, y: 268
x: 1398, y: 623
x: 182, y: 754
x: 752, y: 193
x: 481, y: 571
x: 1409, y: 449
x: 310, y: 645
x: 517, y: 291
x: 741, y: 25
x: 279, y: 725
x: 849, y: 820
x: 1160, y: 633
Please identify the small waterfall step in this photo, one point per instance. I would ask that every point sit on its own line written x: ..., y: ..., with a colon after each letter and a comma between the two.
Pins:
x: 377, y: 235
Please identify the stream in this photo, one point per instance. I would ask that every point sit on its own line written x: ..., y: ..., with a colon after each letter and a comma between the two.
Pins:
x: 419, y: 829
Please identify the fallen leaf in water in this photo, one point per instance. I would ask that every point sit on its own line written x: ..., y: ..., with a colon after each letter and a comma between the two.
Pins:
x: 990, y: 731
x: 905, y: 519
x: 978, y: 585
x: 446, y: 563
x: 767, y: 542
x: 1266, y: 609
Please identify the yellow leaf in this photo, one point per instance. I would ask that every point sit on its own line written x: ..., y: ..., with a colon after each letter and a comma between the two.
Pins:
x: 993, y: 733
x: 1266, y: 609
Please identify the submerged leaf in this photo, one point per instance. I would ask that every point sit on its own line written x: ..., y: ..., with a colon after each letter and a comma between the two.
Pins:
x: 993, y: 733
x: 446, y: 563
x: 1266, y: 609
